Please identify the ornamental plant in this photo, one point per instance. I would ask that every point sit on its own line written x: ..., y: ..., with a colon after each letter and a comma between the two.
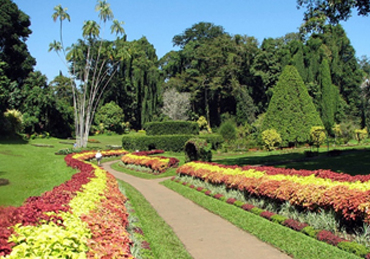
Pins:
x: 158, y: 164
x: 318, y: 136
x: 347, y: 195
x: 271, y: 138
x: 63, y: 222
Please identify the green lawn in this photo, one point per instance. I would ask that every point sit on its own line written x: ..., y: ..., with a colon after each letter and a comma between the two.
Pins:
x: 32, y: 170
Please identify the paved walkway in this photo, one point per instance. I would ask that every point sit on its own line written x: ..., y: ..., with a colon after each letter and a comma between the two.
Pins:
x: 204, y: 234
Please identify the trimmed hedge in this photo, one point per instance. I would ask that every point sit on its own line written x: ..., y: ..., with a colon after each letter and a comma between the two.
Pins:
x: 172, y: 128
x: 175, y: 143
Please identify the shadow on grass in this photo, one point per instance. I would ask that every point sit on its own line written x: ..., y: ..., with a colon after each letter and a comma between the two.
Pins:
x: 352, y: 161
x: 17, y: 140
x: 257, y: 159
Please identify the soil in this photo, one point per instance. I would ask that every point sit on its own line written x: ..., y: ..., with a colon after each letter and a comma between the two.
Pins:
x: 204, y: 234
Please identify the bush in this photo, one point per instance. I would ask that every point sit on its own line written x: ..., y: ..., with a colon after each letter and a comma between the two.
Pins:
x: 175, y: 143
x: 310, y: 231
x: 110, y: 116
x: 278, y: 219
x: 355, y: 248
x: 271, y: 139
x: 171, y: 128
x: 197, y: 150
x: 360, y: 135
x: 317, y: 135
x: 257, y: 211
x: 228, y: 130
x: 13, y: 121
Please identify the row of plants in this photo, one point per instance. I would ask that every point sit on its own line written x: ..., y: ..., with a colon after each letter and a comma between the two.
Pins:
x: 174, y: 143
x: 84, y: 217
x: 319, y: 234
x: 320, y: 189
x: 157, y: 164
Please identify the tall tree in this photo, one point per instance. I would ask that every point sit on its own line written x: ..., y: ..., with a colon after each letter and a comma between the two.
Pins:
x: 291, y: 111
x: 88, y: 68
x: 14, y: 24
x: 329, y: 97
x: 336, y: 10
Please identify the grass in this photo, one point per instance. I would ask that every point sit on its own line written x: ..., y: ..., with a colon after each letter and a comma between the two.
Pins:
x: 291, y: 242
x: 353, y: 160
x: 163, y: 241
x: 31, y: 170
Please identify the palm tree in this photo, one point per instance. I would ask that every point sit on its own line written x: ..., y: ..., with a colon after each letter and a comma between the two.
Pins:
x: 90, y: 29
x: 117, y: 27
x: 105, y: 13
x: 62, y: 14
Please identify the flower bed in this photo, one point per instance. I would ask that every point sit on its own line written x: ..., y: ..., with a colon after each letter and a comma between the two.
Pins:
x: 84, y: 217
x: 158, y: 164
x: 347, y: 195
x: 321, y: 235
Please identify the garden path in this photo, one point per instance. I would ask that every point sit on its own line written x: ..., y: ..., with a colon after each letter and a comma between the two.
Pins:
x: 204, y: 234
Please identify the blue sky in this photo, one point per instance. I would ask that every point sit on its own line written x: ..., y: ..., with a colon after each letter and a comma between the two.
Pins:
x: 160, y: 20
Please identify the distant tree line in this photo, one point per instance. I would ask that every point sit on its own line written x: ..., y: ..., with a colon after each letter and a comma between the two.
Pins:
x: 216, y: 75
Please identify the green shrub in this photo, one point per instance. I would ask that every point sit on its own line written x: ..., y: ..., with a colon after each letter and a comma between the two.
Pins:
x: 355, y: 248
x: 278, y: 219
x: 310, y: 231
x: 110, y: 117
x: 271, y: 138
x: 172, y: 128
x: 257, y: 211
x: 214, y: 139
x: 175, y: 143
x: 197, y: 149
x: 239, y: 204
x: 228, y: 130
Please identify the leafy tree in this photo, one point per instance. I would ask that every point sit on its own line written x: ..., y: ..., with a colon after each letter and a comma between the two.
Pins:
x: 4, y: 89
x: 92, y: 65
x: 14, y: 24
x: 37, y: 103
x: 199, y: 32
x: 111, y: 116
x: 216, y: 69
x: 136, y: 87
x: 176, y: 105
x: 271, y: 139
x: 335, y: 10
x: 291, y: 111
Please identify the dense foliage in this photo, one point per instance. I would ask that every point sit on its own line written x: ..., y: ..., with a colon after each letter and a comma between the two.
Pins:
x: 220, y: 75
x: 291, y: 111
x: 172, y: 128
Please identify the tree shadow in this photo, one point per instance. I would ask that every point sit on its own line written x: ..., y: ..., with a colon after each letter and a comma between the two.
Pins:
x: 12, y: 140
x: 352, y: 161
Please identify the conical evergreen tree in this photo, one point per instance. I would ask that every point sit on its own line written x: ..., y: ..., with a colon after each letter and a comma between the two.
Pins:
x: 329, y: 96
x: 291, y: 111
